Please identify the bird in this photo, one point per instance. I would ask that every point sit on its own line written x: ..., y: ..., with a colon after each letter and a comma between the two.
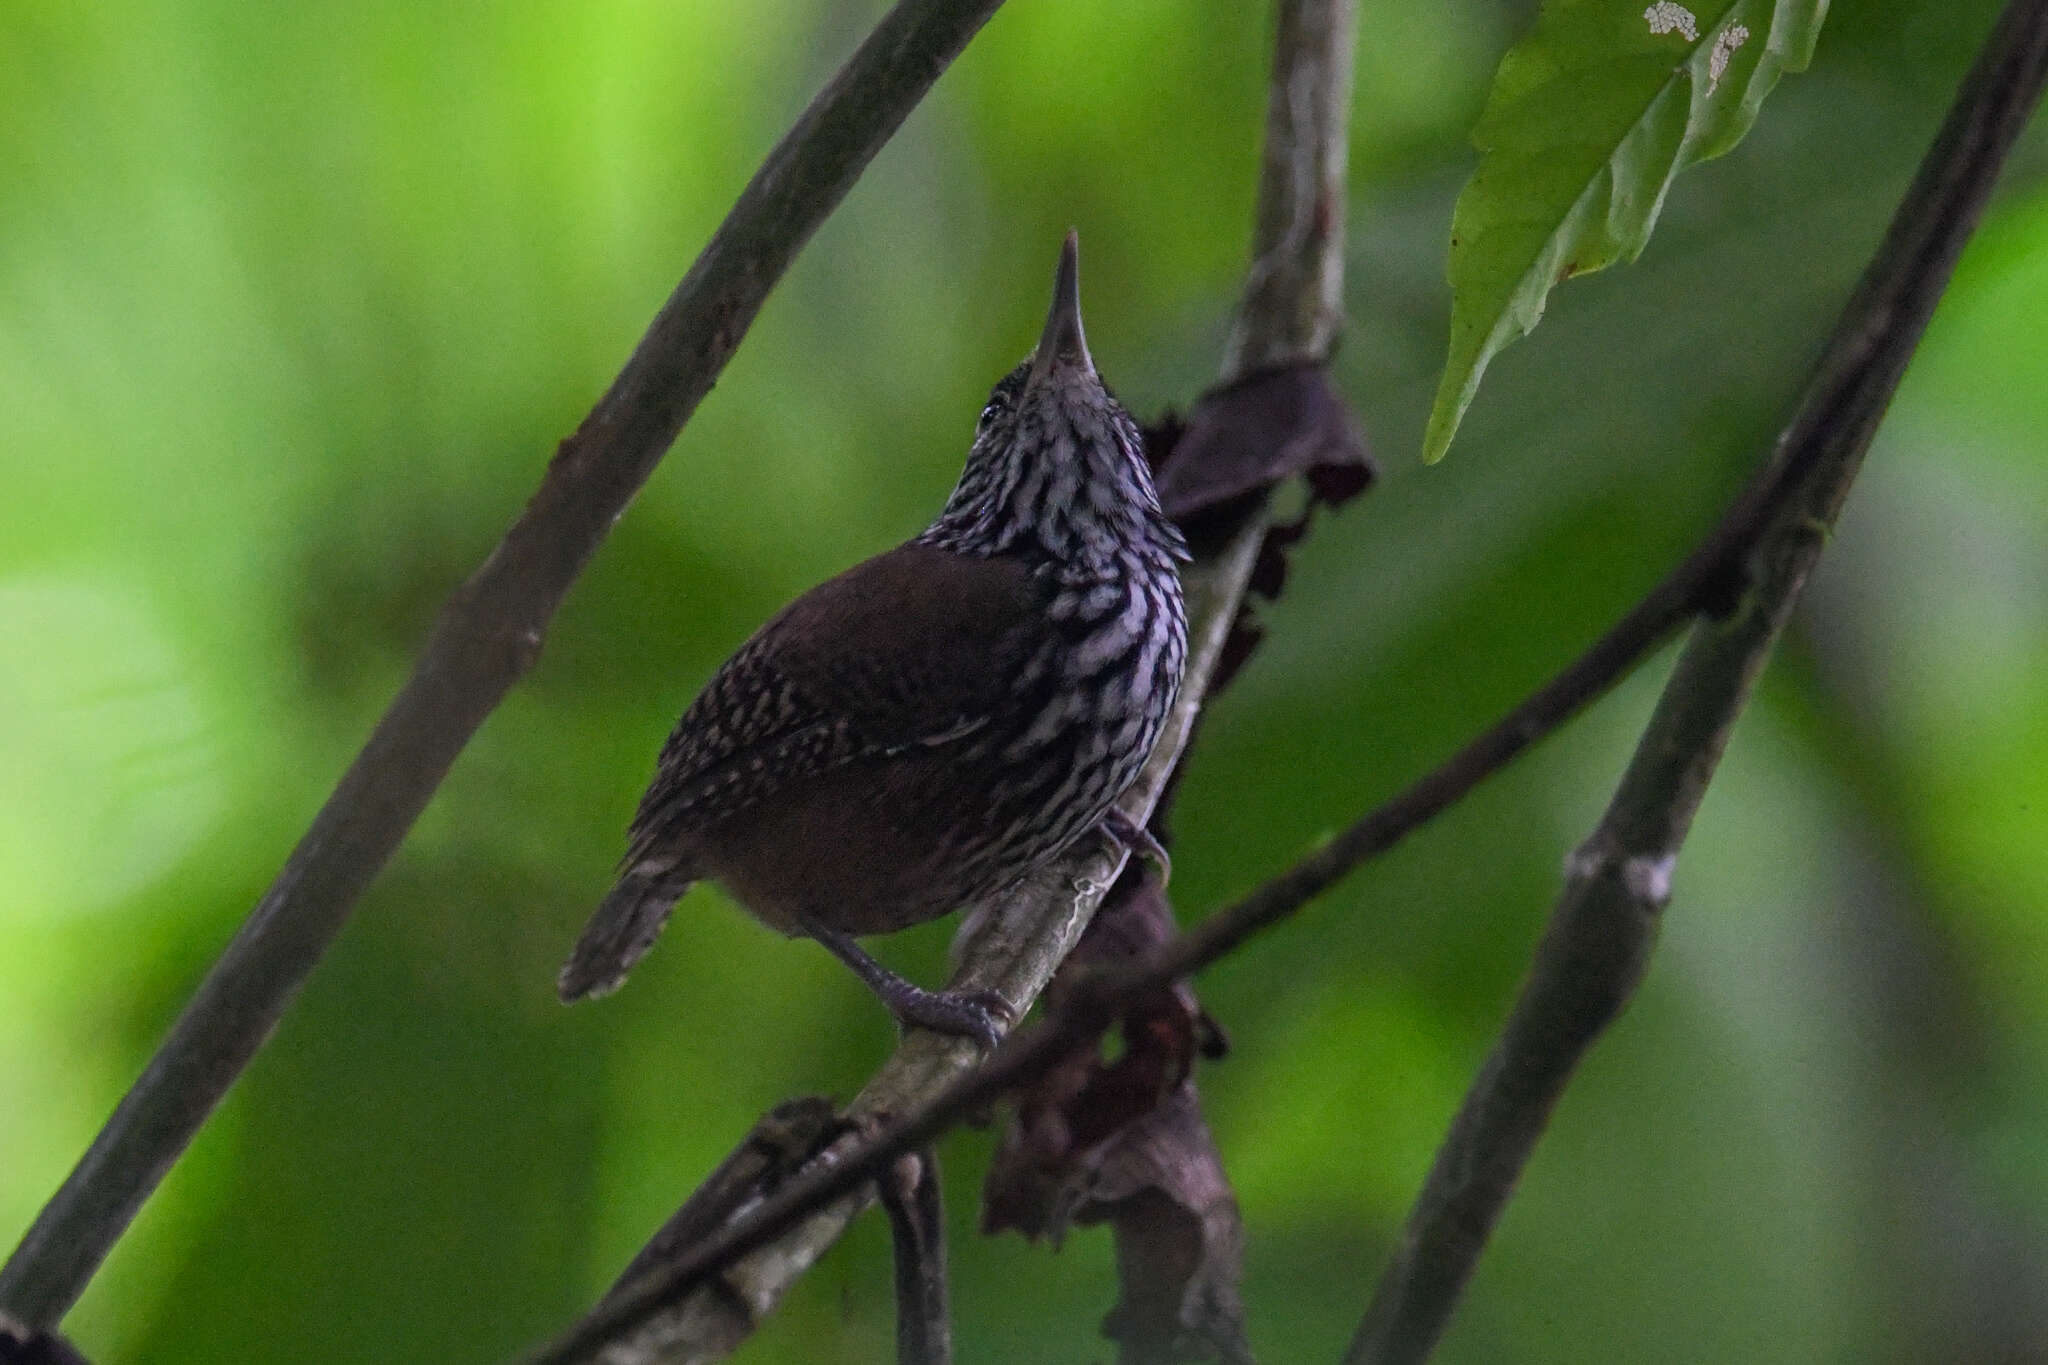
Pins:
x: 935, y: 723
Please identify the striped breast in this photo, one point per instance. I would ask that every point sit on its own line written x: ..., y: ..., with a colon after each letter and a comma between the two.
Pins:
x: 1096, y: 696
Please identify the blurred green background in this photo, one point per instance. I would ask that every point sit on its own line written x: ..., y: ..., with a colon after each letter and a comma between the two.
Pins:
x: 296, y: 299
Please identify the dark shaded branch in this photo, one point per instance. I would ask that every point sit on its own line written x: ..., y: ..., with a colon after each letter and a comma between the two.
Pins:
x: 915, y: 1204
x: 488, y: 636
x: 1601, y: 933
x: 20, y: 1346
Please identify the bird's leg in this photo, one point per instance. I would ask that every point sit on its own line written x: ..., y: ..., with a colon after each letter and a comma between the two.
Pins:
x: 1136, y: 838
x: 981, y: 1015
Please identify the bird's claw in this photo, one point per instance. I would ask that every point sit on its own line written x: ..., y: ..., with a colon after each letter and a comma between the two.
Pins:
x: 1138, y: 840
x: 984, y: 1016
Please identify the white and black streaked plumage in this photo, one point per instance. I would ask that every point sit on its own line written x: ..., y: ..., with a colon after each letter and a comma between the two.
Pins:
x: 922, y: 730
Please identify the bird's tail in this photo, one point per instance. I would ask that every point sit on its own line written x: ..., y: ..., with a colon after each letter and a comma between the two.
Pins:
x: 620, y: 933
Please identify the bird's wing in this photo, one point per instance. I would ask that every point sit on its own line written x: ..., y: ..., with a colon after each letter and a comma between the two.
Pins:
x: 917, y: 647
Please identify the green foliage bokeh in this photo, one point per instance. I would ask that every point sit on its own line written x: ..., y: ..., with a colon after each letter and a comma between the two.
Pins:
x: 294, y: 301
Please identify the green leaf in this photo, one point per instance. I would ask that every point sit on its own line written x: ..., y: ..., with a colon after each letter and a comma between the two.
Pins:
x: 1589, y: 120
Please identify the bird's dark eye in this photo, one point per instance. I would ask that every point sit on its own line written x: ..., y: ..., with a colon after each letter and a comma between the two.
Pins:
x: 1003, y: 397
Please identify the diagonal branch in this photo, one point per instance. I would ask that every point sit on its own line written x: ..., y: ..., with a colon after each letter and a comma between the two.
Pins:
x: 488, y: 636
x: 1600, y: 935
x: 1289, y: 315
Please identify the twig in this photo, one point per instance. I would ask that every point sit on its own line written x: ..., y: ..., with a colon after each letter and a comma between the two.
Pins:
x: 488, y: 636
x: 1289, y: 314
x: 1617, y: 883
x: 1293, y: 303
x: 912, y: 1198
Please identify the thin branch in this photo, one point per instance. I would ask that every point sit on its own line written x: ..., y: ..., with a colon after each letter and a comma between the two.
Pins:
x: 915, y: 1204
x: 1600, y: 935
x: 1293, y: 304
x: 488, y: 636
x: 1289, y: 315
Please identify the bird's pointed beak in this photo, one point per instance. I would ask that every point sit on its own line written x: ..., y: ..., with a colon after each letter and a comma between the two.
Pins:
x: 1064, y: 344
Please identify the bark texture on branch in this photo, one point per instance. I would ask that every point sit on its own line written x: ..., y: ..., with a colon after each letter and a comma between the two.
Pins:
x: 1293, y: 305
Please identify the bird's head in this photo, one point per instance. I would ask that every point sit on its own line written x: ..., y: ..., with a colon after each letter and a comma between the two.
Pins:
x: 1057, y: 463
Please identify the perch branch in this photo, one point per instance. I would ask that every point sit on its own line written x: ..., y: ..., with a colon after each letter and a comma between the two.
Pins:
x: 1601, y: 933
x: 1290, y: 314
x: 488, y: 636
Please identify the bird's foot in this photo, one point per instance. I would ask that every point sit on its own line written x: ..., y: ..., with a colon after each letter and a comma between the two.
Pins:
x: 1138, y: 840
x: 984, y: 1016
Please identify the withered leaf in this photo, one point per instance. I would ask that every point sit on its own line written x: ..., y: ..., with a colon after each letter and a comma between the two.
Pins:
x: 1179, y: 1241
x: 1243, y: 438
x: 1121, y: 1141
x: 1217, y: 466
